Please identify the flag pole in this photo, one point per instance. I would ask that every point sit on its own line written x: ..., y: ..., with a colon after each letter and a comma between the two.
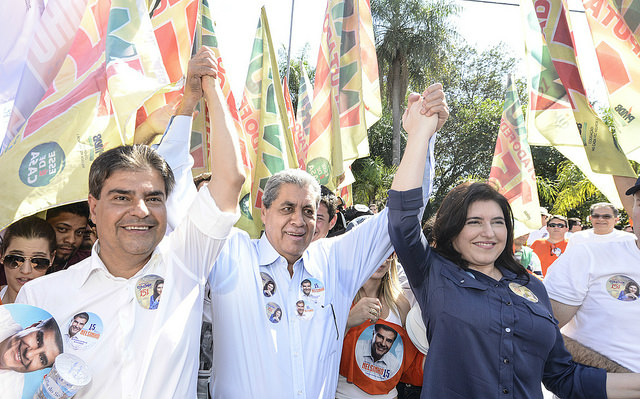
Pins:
x: 289, y: 50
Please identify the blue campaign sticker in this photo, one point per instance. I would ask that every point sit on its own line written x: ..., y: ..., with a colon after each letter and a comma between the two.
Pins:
x: 82, y: 331
x: 149, y: 291
x: 274, y: 312
x: 311, y: 291
x: 268, y: 285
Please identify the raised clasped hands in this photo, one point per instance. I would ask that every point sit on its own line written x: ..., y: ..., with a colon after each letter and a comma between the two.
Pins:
x: 426, y: 113
x: 201, y: 73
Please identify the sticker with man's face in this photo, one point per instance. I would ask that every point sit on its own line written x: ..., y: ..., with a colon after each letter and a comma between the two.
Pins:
x: 623, y: 288
x: 268, y: 285
x: 82, y: 331
x: 379, y: 352
x: 30, y: 341
x: 304, y: 310
x: 149, y: 291
x: 311, y: 291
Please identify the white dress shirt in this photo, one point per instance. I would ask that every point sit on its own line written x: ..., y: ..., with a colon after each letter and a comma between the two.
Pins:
x: 136, y: 352
x: 299, y: 356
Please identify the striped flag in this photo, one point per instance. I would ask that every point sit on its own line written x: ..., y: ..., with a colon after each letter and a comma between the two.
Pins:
x: 48, y: 48
x: 113, y: 65
x: 550, y: 117
x: 618, y: 49
x: 174, y: 24
x: 264, y: 118
x: 346, y: 93
x: 604, y: 155
x: 303, y: 117
x: 512, y: 168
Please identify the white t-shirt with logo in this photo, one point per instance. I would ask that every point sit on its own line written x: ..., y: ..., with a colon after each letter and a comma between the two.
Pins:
x: 596, y: 276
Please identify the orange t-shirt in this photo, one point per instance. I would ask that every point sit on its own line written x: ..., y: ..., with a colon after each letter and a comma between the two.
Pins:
x: 548, y: 252
x: 398, y: 359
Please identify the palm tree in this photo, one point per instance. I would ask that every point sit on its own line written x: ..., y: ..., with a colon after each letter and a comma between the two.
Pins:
x: 410, y: 35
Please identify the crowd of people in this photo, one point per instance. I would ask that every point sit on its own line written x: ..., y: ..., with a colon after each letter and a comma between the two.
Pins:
x: 319, y: 306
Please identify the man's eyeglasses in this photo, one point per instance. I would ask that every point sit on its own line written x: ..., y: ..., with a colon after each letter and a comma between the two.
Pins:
x: 558, y: 225
x: 16, y: 261
x: 598, y: 216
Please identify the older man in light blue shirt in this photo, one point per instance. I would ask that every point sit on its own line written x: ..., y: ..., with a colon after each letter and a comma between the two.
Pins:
x: 296, y: 355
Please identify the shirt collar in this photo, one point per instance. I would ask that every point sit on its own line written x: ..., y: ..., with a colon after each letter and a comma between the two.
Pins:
x: 268, y: 255
x: 96, y: 265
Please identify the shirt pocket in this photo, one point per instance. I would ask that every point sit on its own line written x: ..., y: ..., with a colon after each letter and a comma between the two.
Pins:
x: 465, y: 301
x: 540, y: 338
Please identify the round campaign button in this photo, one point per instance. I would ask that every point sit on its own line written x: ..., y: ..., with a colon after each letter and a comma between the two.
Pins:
x: 623, y: 288
x: 274, y: 312
x: 82, y: 331
x: 149, y: 291
x: 379, y: 352
x: 304, y: 310
x: 268, y: 285
x: 311, y: 291
x: 523, y: 291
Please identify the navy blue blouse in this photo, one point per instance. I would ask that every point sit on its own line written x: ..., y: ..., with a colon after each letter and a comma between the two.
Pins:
x: 488, y: 339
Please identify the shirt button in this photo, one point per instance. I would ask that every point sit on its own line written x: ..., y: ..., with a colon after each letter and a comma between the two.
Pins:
x: 462, y: 281
x: 497, y: 285
x: 507, y: 329
x: 505, y: 391
x: 505, y: 360
x: 299, y: 392
x: 509, y: 303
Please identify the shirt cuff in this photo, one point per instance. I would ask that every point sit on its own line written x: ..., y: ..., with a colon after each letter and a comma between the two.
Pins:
x: 209, y: 219
x: 406, y: 200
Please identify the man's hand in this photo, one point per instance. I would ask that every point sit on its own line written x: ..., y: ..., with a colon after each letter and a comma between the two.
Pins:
x: 156, y: 123
x: 202, y: 64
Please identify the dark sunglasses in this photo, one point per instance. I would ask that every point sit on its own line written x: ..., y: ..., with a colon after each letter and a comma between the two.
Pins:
x: 16, y: 261
x: 558, y: 225
x: 598, y: 216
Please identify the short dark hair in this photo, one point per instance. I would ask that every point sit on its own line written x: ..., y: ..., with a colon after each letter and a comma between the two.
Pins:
x: 306, y: 280
x: 76, y: 208
x: 29, y: 227
x: 82, y: 315
x: 385, y: 327
x: 330, y: 200
x: 128, y: 157
x: 51, y: 325
x: 574, y: 222
x: 452, y: 216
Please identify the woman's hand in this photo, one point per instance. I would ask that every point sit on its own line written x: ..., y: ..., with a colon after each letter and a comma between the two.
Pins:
x: 365, y: 309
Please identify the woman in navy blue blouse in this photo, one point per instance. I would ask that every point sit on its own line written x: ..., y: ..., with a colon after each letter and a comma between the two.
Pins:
x: 490, y: 326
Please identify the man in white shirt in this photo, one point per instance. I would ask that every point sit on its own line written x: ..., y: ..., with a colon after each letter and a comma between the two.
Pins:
x: 590, y: 287
x: 604, y: 217
x: 297, y: 356
x: 133, y: 350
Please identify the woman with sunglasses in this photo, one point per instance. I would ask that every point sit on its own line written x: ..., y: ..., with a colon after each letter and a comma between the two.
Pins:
x: 26, y: 252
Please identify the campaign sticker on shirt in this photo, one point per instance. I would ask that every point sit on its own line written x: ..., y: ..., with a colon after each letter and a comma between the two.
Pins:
x: 304, y: 310
x: 149, y: 291
x: 274, y: 312
x: 82, y: 331
x: 623, y: 288
x: 312, y: 291
x: 523, y: 291
x: 268, y: 285
x: 379, y: 352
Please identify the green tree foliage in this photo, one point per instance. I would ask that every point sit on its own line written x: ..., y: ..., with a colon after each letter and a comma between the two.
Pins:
x: 411, y: 37
x: 373, y: 178
x: 294, y: 71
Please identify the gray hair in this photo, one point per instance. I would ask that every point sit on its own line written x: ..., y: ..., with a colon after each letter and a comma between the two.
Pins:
x: 298, y: 177
x: 604, y: 205
x: 128, y: 157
